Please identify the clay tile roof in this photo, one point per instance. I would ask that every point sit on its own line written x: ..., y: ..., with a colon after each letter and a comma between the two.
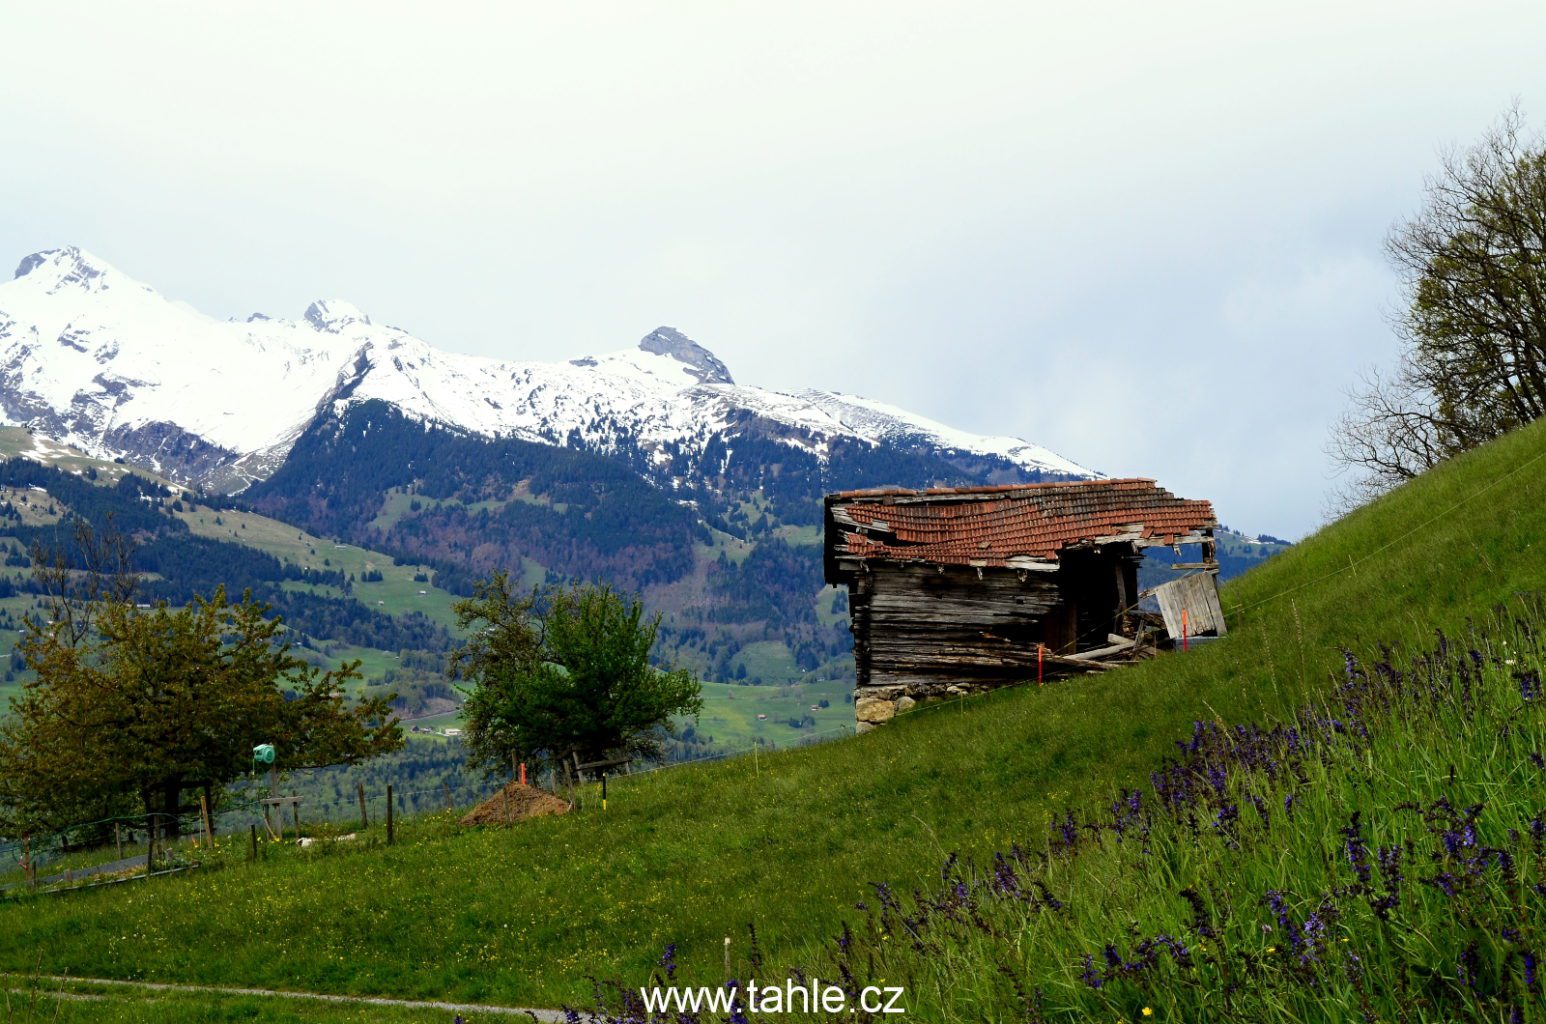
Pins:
x: 990, y: 526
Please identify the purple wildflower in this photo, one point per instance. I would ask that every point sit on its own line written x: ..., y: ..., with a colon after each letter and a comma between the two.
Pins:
x: 1469, y: 965
x: 668, y: 960
x: 1004, y: 878
x: 1199, y: 913
x: 737, y: 1011
x: 1279, y: 908
x: 1357, y: 852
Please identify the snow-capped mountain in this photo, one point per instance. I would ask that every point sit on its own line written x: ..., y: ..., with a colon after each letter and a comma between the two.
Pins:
x: 92, y: 358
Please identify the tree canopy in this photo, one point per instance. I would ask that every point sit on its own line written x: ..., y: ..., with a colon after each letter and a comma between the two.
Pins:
x: 1473, y: 266
x: 564, y: 677
x: 132, y: 706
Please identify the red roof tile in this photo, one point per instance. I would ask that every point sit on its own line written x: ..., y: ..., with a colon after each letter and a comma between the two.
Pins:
x: 988, y: 526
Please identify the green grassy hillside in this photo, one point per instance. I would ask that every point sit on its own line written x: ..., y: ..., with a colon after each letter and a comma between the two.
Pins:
x: 792, y: 840
x: 1382, y: 860
x: 397, y: 592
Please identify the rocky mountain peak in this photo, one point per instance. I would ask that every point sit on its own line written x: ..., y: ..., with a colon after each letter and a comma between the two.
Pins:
x: 705, y: 365
x: 57, y: 268
x: 334, y: 315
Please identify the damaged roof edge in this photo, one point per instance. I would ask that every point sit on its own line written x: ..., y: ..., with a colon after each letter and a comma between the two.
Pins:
x: 983, y: 492
x: 1016, y: 526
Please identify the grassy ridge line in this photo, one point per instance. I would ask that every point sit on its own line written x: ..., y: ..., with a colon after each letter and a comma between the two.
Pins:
x: 396, y: 594
x: 790, y: 841
x: 18, y: 442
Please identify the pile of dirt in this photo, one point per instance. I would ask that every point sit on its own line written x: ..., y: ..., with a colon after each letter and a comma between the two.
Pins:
x: 515, y: 803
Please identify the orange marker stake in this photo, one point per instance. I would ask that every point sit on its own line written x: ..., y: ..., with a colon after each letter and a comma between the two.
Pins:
x: 1184, y: 645
x: 1039, y: 649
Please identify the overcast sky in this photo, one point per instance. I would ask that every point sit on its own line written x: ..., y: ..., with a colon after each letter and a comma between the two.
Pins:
x: 1145, y: 235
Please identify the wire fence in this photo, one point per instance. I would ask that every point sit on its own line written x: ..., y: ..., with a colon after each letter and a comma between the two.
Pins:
x: 105, y: 848
x: 306, y: 807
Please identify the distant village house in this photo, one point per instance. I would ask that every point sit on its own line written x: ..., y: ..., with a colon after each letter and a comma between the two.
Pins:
x: 957, y: 590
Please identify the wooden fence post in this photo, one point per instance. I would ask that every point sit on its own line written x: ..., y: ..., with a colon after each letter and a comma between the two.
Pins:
x: 389, y: 814
x: 254, y: 841
x: 26, y: 861
x: 209, y: 828
x: 296, y: 806
x: 150, y: 843
x: 118, y: 838
x: 445, y: 787
x: 359, y: 790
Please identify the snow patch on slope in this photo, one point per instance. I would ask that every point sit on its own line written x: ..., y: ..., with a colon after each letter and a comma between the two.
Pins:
x: 887, y: 424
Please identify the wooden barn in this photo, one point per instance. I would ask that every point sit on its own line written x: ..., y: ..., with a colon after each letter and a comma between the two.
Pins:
x: 955, y: 590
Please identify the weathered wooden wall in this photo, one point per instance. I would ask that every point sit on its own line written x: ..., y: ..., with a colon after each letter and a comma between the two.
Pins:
x: 923, y: 631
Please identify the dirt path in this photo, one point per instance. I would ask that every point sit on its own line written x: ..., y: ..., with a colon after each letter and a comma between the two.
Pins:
x: 545, y: 1016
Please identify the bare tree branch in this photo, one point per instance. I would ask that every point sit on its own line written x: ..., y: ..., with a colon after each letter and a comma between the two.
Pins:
x: 1473, y: 265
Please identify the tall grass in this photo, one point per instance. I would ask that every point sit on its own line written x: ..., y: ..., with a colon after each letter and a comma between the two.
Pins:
x: 1378, y: 856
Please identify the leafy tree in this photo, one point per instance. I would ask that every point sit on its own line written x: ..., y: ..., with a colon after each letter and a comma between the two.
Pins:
x: 1473, y: 263
x: 565, y: 678
x: 137, y: 706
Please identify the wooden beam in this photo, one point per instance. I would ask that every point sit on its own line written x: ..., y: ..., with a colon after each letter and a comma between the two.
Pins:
x: 1073, y: 661
x: 1104, y: 652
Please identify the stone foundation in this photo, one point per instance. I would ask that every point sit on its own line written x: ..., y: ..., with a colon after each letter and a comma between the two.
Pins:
x: 876, y: 705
